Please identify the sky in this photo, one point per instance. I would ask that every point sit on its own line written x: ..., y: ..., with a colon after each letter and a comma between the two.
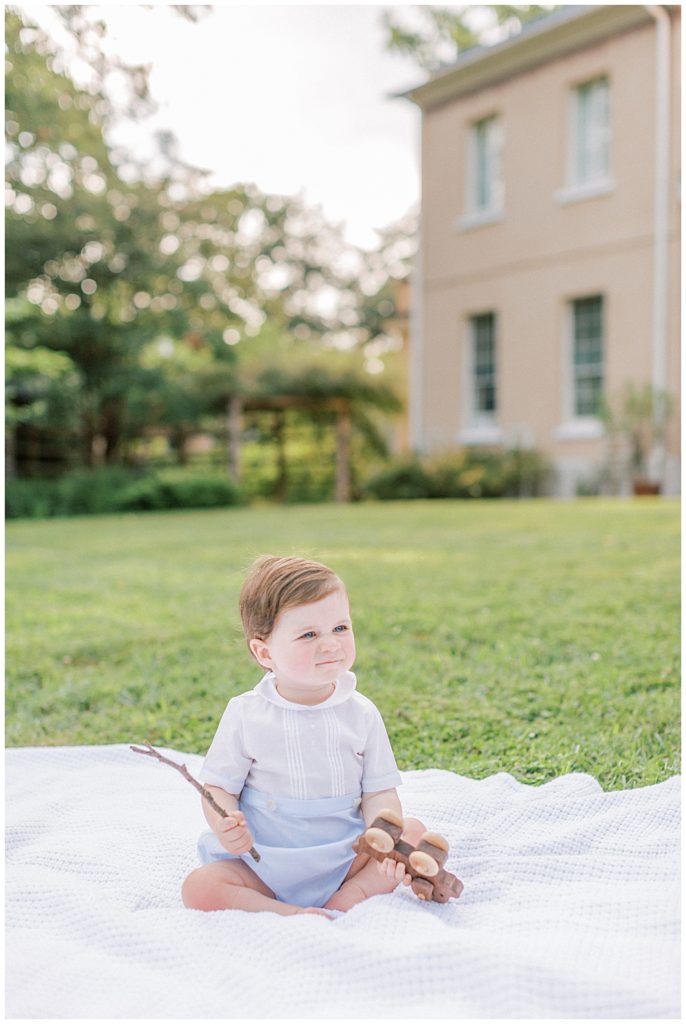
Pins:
x: 296, y: 99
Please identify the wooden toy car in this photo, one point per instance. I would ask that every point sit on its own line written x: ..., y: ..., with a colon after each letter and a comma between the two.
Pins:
x: 424, y: 862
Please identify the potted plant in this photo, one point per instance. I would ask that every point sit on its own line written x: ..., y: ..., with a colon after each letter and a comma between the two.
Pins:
x: 637, y: 419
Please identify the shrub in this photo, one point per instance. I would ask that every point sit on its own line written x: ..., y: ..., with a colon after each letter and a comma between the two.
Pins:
x: 406, y: 479
x: 30, y: 499
x: 91, y: 491
x: 177, y: 491
x: 115, y: 489
x: 139, y: 496
x: 528, y: 473
x: 79, y: 492
x: 464, y: 473
x: 199, y: 492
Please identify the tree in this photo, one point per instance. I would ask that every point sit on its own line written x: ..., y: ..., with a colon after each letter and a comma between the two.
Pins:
x: 106, y: 259
x: 42, y: 391
x: 108, y: 265
x: 183, y: 387
x: 434, y: 36
x: 329, y: 386
x: 82, y: 246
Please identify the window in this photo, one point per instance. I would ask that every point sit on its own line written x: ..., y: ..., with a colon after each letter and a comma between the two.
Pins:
x: 479, y: 388
x: 485, y: 186
x: 587, y: 355
x: 590, y: 133
x: 483, y: 363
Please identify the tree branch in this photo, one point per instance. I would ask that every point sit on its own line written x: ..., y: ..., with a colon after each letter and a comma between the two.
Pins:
x: 205, y: 793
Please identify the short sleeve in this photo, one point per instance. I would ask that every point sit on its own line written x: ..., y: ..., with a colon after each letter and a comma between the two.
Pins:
x: 380, y: 770
x: 227, y: 764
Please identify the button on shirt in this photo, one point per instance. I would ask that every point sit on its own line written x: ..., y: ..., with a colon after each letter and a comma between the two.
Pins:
x: 335, y: 748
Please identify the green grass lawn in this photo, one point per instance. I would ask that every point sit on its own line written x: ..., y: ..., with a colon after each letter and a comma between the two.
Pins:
x: 533, y: 637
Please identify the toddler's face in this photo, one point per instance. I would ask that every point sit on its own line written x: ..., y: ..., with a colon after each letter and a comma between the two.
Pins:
x: 311, y: 645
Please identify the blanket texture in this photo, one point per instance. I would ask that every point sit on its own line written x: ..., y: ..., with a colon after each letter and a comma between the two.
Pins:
x: 570, y: 907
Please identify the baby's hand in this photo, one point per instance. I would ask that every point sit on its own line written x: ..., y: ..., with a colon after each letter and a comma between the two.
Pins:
x: 233, y: 833
x: 394, y: 870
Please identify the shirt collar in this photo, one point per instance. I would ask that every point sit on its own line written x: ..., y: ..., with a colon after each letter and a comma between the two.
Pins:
x: 345, y: 686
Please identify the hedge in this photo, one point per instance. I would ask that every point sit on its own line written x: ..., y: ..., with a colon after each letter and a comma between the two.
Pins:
x: 115, y: 489
x: 465, y: 473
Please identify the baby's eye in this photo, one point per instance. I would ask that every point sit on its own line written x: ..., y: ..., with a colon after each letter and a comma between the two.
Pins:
x: 308, y: 636
x: 341, y: 629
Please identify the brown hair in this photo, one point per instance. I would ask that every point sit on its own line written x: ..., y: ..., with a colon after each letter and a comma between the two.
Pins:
x: 274, y: 584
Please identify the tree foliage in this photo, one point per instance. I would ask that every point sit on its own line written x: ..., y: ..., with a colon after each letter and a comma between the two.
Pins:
x: 150, y: 284
x: 433, y: 36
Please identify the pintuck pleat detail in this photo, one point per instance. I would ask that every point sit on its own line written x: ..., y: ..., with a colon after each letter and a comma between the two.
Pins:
x: 333, y: 749
x: 296, y: 765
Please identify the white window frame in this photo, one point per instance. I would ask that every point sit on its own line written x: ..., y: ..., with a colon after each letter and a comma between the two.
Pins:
x: 576, y: 427
x: 485, y: 141
x: 479, y: 427
x: 580, y: 186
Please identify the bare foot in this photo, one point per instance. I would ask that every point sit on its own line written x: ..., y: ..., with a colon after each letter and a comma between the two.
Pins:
x: 315, y: 910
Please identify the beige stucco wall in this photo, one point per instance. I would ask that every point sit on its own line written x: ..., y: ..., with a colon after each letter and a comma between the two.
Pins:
x: 545, y: 252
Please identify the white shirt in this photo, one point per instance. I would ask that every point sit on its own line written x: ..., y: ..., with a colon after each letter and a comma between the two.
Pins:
x: 304, y: 752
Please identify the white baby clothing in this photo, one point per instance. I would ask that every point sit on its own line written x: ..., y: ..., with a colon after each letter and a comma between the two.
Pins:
x: 300, y: 772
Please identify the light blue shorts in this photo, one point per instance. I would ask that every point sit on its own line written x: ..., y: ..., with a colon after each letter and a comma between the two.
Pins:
x: 305, y: 846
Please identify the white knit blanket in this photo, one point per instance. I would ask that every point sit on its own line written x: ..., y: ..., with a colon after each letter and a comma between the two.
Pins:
x: 570, y: 907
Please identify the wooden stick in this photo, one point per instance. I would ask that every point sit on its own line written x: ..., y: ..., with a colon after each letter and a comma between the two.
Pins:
x: 205, y: 793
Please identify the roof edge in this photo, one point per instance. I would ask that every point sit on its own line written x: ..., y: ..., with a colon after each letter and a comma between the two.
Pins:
x: 545, y: 40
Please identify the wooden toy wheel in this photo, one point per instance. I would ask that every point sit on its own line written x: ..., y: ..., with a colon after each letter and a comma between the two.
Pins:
x: 435, y: 845
x: 422, y: 888
x: 391, y: 817
x: 423, y: 863
x: 389, y: 822
x: 379, y: 840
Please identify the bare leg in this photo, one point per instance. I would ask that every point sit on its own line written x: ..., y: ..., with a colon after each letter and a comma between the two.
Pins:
x: 232, y: 885
x: 364, y: 879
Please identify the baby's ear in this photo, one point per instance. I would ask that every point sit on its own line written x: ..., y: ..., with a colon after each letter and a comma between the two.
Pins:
x: 260, y: 652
